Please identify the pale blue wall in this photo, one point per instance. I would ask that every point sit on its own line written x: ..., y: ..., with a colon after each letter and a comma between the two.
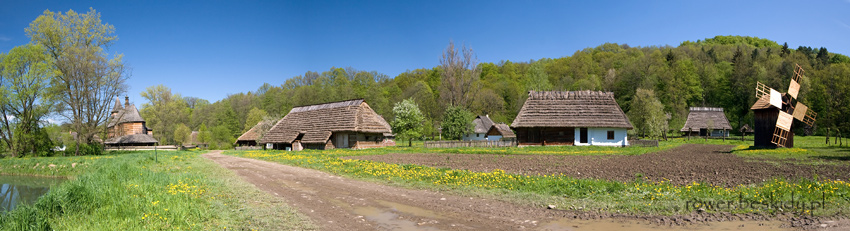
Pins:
x: 599, y: 137
x: 475, y: 136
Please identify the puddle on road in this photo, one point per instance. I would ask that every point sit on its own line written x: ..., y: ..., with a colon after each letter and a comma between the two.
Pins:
x: 411, y: 210
x: 388, y: 220
x: 610, y: 224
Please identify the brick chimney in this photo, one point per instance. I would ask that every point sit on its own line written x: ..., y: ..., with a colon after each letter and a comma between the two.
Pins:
x: 126, y: 101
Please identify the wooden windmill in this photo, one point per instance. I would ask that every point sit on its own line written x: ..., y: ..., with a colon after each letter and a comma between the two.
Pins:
x: 775, y: 113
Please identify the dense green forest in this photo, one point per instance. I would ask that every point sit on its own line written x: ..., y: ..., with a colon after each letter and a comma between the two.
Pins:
x: 718, y: 72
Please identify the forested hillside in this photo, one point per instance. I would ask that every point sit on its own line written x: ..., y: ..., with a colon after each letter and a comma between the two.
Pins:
x: 718, y: 72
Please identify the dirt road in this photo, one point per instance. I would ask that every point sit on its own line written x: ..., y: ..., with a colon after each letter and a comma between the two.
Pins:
x: 337, y: 203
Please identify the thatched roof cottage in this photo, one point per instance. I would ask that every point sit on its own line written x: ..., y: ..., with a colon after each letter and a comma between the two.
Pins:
x: 571, y: 118
x: 704, y: 119
x: 486, y: 129
x: 344, y: 124
x: 479, y: 132
x: 126, y: 127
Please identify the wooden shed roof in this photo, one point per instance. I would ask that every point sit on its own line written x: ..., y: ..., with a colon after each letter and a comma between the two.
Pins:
x: 502, y: 129
x: 571, y: 109
x: 699, y: 117
x: 317, y: 122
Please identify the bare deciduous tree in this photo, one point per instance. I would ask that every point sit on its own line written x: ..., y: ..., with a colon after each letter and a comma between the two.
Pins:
x: 460, y: 74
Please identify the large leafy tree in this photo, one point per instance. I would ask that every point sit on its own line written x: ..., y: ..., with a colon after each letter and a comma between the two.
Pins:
x: 182, y: 134
x: 25, y: 99
x: 647, y: 113
x: 457, y: 121
x: 408, y: 120
x: 86, y: 79
x: 163, y: 112
x: 254, y: 116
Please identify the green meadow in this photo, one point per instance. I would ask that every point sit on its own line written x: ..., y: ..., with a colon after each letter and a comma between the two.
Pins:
x: 145, y: 191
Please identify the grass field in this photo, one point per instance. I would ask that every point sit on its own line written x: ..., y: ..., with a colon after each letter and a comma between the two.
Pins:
x: 638, y: 196
x: 807, y: 149
x: 133, y: 191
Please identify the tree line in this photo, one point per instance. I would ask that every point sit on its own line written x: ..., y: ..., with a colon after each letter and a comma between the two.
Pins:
x: 654, y: 85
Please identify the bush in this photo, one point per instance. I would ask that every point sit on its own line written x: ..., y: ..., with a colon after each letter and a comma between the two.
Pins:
x: 85, y: 149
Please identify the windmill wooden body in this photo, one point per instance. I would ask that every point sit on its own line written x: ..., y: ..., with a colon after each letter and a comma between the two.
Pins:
x: 775, y: 113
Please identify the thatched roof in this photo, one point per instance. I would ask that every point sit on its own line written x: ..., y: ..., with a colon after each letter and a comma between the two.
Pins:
x: 131, y: 139
x: 482, y: 124
x: 592, y: 109
x: 503, y: 130
x: 699, y: 118
x: 127, y: 114
x: 254, y: 133
x: 317, y: 122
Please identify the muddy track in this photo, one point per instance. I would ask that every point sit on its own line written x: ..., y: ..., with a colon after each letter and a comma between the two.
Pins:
x: 682, y: 165
x: 337, y: 203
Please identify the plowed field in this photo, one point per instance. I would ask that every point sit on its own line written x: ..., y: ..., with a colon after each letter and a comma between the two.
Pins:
x: 682, y: 165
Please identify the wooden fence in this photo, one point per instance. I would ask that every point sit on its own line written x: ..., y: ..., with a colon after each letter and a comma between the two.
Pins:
x: 475, y: 143
x: 248, y: 148
x: 142, y: 148
x: 643, y: 143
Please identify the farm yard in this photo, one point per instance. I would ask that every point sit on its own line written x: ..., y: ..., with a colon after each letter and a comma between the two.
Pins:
x: 680, y: 183
x: 658, y: 184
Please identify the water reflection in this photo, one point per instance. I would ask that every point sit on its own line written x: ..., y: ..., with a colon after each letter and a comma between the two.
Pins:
x: 17, y: 190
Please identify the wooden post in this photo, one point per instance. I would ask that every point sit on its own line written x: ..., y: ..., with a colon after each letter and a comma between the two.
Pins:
x: 827, y: 136
x: 724, y: 135
x: 689, y: 133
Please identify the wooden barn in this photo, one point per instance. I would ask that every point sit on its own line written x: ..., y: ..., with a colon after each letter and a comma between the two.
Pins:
x: 765, y: 123
x: 344, y: 124
x: 702, y: 120
x: 571, y: 118
x: 126, y: 127
x: 250, y: 137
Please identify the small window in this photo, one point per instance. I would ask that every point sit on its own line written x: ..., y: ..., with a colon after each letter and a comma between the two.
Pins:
x: 610, y: 135
x: 477, y: 134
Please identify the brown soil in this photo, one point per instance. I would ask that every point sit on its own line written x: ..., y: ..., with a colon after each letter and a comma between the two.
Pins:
x: 337, y: 203
x: 682, y: 165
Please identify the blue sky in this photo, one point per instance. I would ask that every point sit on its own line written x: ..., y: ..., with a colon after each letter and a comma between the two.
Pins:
x: 210, y: 49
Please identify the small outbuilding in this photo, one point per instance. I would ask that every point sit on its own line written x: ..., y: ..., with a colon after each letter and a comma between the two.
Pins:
x: 706, y: 121
x: 571, y: 118
x: 344, y: 124
x: 482, y: 125
x: 500, y: 131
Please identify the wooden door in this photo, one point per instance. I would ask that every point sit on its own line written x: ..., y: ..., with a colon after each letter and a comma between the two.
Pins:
x: 582, y: 135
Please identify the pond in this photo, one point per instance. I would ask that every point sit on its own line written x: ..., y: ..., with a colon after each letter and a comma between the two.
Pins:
x: 18, y: 190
